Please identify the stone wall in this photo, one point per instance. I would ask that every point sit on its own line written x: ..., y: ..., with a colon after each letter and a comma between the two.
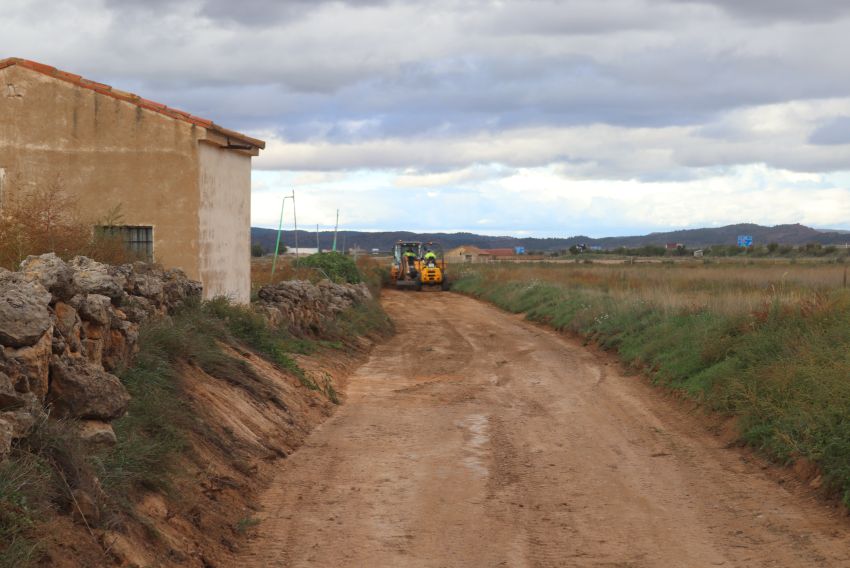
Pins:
x: 64, y: 328
x: 304, y: 307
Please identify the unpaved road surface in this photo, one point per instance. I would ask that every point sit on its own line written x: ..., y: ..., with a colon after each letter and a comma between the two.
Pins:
x: 473, y: 438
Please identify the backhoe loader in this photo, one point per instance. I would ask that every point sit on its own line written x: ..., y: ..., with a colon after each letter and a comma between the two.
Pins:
x: 418, y: 265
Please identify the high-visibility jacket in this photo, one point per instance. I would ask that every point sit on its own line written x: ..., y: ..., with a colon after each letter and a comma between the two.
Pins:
x: 430, y: 255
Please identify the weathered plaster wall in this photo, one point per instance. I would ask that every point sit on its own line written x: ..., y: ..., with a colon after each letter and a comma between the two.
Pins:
x: 106, y: 152
x: 225, y: 221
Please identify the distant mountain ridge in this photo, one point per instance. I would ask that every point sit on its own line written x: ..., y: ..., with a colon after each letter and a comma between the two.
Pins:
x: 795, y: 234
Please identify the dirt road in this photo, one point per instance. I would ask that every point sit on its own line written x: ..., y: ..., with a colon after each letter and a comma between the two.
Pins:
x: 473, y: 438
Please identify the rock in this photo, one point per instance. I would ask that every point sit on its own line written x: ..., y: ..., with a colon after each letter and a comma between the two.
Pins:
x: 93, y: 330
x: 93, y: 349
x: 146, y: 286
x: 52, y: 272
x: 10, y: 399
x: 68, y: 325
x: 116, y: 350
x: 177, y: 288
x: 21, y: 421
x: 58, y: 344
x: 138, y: 309
x: 29, y: 367
x: 153, y: 505
x: 24, y: 315
x: 85, y: 510
x: 96, y: 434
x: 305, y: 306
x: 124, y: 550
x: 79, y: 389
x: 96, y: 308
x: 66, y: 318
x: 76, y: 301
x: 92, y: 277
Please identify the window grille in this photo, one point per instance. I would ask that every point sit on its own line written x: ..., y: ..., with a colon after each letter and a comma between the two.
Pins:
x: 138, y: 240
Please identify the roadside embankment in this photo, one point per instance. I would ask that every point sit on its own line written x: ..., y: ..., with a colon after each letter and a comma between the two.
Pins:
x: 772, y: 352
x: 138, y: 423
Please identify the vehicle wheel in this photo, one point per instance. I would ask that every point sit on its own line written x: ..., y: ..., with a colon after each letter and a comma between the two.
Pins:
x: 418, y: 284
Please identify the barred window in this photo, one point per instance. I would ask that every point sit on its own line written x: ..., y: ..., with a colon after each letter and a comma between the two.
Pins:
x: 138, y: 240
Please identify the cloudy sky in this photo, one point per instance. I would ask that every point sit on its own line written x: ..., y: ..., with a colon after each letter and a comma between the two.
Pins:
x: 549, y: 118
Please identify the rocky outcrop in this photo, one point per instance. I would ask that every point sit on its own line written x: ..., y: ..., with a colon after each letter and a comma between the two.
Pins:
x: 303, y: 306
x: 81, y: 389
x: 64, y: 327
x: 24, y: 316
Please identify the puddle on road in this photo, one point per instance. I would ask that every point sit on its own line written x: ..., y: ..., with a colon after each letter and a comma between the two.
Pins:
x: 476, y: 438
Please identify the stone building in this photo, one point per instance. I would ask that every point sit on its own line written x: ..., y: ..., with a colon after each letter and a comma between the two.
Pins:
x: 468, y: 253
x: 183, y: 183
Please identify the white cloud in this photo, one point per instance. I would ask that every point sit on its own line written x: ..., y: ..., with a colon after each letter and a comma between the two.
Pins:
x: 776, y: 134
x: 541, y: 201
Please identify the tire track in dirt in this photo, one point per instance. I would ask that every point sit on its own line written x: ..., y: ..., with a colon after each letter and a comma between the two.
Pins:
x: 473, y: 438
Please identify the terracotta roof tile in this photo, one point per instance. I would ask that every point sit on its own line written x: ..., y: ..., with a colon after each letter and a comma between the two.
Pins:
x: 129, y: 97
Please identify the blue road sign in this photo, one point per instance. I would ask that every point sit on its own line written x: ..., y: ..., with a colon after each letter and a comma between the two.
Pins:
x: 745, y: 241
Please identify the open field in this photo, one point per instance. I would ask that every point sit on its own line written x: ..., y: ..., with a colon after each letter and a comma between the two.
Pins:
x: 767, y: 344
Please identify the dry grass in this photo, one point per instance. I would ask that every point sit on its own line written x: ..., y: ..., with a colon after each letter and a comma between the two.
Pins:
x: 36, y: 220
x: 726, y: 288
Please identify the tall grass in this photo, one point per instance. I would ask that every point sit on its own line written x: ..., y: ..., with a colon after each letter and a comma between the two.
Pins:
x: 770, y: 346
x: 40, y: 219
x: 25, y: 493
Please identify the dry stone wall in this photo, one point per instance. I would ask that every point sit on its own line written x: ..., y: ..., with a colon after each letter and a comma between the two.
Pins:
x: 64, y: 328
x: 304, y: 307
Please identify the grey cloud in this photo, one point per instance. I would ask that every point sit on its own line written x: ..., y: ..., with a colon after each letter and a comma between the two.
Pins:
x: 553, y: 17
x: 834, y: 132
x: 358, y: 72
x: 271, y: 12
x: 768, y: 10
x: 252, y: 13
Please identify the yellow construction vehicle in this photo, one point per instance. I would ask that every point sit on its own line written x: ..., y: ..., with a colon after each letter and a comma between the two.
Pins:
x: 418, y: 265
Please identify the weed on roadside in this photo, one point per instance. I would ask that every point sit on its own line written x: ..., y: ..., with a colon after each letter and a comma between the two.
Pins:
x: 244, y: 524
x: 26, y: 494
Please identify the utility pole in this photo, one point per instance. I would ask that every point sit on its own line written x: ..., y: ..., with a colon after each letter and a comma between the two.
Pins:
x: 335, y: 229
x: 280, y: 231
x: 295, y: 222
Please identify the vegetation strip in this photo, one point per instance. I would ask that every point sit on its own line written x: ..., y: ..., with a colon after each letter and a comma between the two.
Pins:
x: 45, y: 472
x: 771, y: 348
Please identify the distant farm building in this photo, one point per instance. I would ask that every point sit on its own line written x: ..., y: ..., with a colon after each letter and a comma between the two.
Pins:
x: 499, y: 253
x: 674, y: 246
x: 467, y: 253
x: 183, y: 183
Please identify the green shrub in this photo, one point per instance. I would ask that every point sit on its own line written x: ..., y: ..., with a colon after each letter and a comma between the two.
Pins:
x: 336, y: 266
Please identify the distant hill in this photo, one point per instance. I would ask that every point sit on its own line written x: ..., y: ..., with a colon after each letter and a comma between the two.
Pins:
x: 783, y: 234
